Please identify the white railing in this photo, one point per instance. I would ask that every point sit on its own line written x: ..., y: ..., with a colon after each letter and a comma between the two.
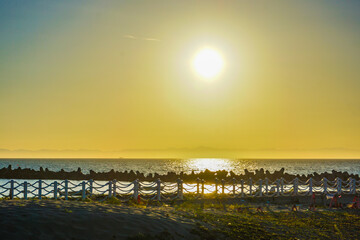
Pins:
x: 159, y: 190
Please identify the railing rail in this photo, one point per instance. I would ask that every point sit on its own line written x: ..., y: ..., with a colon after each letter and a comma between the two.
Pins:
x: 160, y: 190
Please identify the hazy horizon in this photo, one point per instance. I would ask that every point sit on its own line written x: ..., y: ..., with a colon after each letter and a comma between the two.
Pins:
x: 200, y: 152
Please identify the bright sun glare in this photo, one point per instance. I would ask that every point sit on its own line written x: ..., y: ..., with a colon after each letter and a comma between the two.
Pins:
x: 208, y: 63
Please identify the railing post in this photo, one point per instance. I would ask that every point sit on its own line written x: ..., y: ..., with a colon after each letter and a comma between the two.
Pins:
x: 136, y: 189
x: 223, y: 186
x: 277, y: 187
x: 234, y: 186
x: 338, y: 185
x: 325, y: 185
x: 354, y: 185
x: 40, y: 186
x: 266, y: 186
x: 66, y: 189
x: 180, y: 189
x: 158, y: 190
x: 250, y: 186
x: 25, y: 190
x: 202, y: 187
x: 242, y: 187
x: 296, y: 183
x: 91, y: 187
x: 310, y: 186
x: 55, y: 190
x: 350, y: 185
x: 83, y: 190
x: 110, y: 189
x: 216, y: 186
x: 282, y: 186
x: 11, y: 189
x: 260, y: 187
x: 197, y: 186
x: 114, y: 187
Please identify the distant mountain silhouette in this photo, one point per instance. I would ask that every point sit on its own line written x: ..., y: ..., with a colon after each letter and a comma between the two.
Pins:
x: 196, y: 152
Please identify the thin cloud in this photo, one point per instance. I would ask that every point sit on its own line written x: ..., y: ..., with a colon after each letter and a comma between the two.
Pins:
x: 128, y: 36
x: 151, y: 39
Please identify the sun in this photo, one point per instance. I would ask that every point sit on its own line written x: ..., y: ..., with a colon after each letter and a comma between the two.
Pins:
x: 208, y: 63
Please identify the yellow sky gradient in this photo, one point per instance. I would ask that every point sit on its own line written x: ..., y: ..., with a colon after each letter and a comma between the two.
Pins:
x: 116, y: 78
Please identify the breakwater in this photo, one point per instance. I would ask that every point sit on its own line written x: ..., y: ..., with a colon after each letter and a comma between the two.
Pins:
x: 208, y: 176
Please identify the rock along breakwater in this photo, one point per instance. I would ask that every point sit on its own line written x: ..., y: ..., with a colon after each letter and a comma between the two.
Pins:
x: 207, y: 175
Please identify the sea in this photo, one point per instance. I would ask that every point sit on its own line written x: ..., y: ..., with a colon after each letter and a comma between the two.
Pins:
x: 162, y: 166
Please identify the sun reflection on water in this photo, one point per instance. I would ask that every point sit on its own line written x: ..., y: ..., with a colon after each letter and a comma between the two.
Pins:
x: 212, y: 164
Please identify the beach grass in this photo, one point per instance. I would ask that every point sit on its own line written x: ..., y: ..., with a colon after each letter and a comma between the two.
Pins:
x: 217, y: 221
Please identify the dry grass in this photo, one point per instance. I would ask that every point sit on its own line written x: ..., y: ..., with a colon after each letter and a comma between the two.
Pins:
x: 217, y: 222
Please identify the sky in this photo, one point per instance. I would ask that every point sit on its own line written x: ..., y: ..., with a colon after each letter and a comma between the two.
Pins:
x: 115, y: 79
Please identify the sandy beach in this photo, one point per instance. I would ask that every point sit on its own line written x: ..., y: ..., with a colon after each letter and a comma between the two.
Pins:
x: 49, y: 219
x: 58, y: 219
